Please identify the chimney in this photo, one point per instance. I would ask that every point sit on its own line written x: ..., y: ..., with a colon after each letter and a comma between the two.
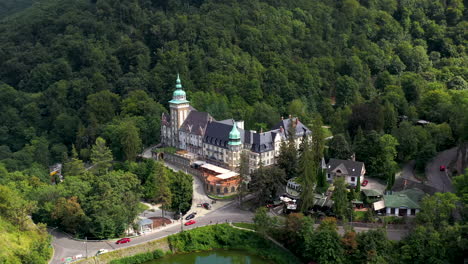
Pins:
x: 261, y: 130
x: 353, y: 157
x: 282, y: 118
x: 297, y: 120
x: 290, y: 116
x: 281, y: 129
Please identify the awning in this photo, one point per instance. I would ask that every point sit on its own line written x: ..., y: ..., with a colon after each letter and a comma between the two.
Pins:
x: 379, y: 205
x: 144, y: 222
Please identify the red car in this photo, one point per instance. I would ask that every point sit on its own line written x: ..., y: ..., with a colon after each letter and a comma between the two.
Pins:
x: 364, y: 183
x: 191, y: 222
x: 442, y: 168
x: 123, y: 240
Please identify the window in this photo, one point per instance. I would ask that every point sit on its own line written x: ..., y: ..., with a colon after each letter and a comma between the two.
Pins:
x: 353, y: 179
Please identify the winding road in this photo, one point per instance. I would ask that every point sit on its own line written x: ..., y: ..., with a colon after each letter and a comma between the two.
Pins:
x: 440, y: 179
x: 222, y: 212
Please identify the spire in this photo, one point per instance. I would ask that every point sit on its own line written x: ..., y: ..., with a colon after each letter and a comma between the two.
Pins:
x: 234, y: 136
x: 178, y: 83
x: 179, y: 95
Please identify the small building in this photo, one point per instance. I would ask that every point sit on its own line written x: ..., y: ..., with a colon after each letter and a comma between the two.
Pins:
x: 219, y: 180
x: 403, y: 203
x: 145, y: 225
x: 293, y: 188
x: 349, y: 169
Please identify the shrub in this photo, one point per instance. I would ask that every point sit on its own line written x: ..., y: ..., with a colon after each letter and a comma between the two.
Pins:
x: 139, y: 258
x: 225, y: 237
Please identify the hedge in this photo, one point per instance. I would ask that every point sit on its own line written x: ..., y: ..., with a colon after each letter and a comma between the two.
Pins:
x: 139, y: 258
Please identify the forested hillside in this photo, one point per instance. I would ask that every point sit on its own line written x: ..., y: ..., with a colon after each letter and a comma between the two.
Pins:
x: 8, y: 7
x: 76, y: 70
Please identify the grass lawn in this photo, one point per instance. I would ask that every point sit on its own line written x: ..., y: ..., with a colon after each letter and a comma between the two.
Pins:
x: 359, y: 216
x: 142, y: 207
x: 245, y: 225
x: 326, y: 132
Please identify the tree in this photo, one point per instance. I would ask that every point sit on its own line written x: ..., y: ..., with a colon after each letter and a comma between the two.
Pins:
x: 347, y: 90
x: 243, y: 175
x: 324, y: 238
x: 287, y: 159
x: 157, y: 186
x: 388, y: 144
x: 69, y: 215
x: 374, y: 247
x: 308, y: 175
x: 14, y: 207
x: 266, y: 183
x: 182, y: 190
x: 389, y: 117
x: 461, y: 186
x: 437, y: 210
x: 74, y: 166
x: 112, y: 205
x: 340, y: 199
x: 339, y: 148
x: 101, y: 156
x: 130, y: 140
x: 263, y: 222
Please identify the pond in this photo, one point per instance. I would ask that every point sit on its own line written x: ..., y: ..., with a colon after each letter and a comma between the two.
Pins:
x: 212, y: 257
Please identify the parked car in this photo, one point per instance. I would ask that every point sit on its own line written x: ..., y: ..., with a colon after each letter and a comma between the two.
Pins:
x: 442, y: 167
x: 364, y: 183
x: 191, y: 216
x: 207, y: 206
x: 191, y: 222
x: 123, y: 240
x: 176, y: 216
x: 102, y: 251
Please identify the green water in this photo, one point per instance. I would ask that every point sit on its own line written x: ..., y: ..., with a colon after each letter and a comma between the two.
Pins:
x: 212, y: 257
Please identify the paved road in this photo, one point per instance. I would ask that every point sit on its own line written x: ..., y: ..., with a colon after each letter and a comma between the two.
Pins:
x: 67, y: 247
x: 439, y: 179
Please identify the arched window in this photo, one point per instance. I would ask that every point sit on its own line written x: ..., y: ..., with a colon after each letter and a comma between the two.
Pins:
x: 233, y: 189
x: 338, y: 171
x: 218, y: 190
x: 225, y: 190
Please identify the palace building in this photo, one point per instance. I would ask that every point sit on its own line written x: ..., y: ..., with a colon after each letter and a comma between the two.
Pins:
x: 221, y: 142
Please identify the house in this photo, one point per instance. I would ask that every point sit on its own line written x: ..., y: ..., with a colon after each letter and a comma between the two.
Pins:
x: 401, y: 203
x: 349, y: 169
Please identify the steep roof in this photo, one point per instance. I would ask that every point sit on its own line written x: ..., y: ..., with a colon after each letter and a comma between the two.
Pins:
x: 300, y: 128
x: 353, y: 168
x: 262, y: 142
x: 195, y: 123
x: 217, y: 133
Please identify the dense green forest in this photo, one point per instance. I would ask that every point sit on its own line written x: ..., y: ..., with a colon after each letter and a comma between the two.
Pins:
x: 76, y: 70
x: 85, y: 82
x: 9, y: 7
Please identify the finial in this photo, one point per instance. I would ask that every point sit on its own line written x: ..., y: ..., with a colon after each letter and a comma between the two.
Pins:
x: 178, y: 83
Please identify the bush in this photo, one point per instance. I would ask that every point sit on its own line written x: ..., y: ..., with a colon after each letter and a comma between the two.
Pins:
x: 139, y: 258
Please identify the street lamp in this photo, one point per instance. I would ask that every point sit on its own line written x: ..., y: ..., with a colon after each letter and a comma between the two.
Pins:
x: 181, y: 222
